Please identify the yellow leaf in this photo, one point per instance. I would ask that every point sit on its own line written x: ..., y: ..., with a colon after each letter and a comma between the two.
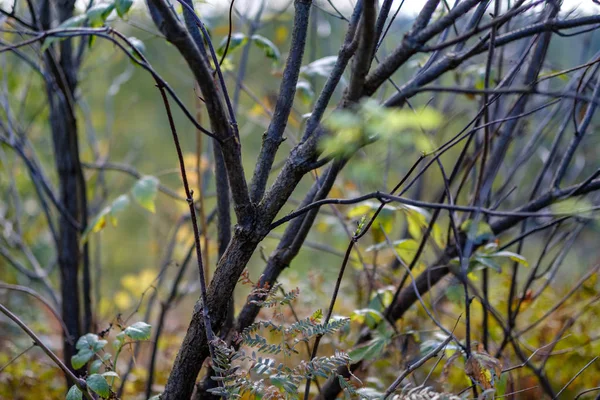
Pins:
x: 483, y: 368
x: 122, y: 300
x: 281, y: 34
x: 317, y: 316
x: 590, y: 283
x: 100, y: 224
x: 359, y: 211
x: 136, y: 284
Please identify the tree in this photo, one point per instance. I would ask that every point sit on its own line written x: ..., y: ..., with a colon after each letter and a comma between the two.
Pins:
x: 490, y: 179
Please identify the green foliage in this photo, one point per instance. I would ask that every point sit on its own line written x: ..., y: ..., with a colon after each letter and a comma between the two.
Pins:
x: 282, y: 380
x: 483, y: 369
x: 73, y: 22
x: 478, y: 234
x: 98, y: 384
x: 301, y: 331
x: 381, y: 338
x: 321, y: 67
x: 352, y: 129
x: 417, y: 220
x: 373, y: 349
x: 98, y: 14
x: 74, y: 393
x: 144, y: 192
x: 383, y: 222
x: 270, y: 50
x: 238, y: 40
x: 367, y: 316
x: 138, y: 331
x: 580, y: 207
x: 305, y: 92
x: 110, y: 212
x: 265, y: 376
x: 284, y: 342
x: 488, y: 257
x: 90, y: 346
x: 95, y: 16
x: 87, y: 346
x: 138, y: 44
x: 123, y: 6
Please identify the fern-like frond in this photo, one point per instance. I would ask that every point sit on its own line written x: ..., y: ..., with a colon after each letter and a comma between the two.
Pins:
x: 322, y: 366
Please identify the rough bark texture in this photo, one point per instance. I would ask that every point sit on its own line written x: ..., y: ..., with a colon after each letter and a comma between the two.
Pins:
x: 61, y: 97
x: 194, y: 348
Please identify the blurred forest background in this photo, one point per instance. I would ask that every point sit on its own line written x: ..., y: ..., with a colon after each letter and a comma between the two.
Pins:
x: 136, y: 254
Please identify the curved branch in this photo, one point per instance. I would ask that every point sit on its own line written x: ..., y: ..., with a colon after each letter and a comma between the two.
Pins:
x: 81, y: 384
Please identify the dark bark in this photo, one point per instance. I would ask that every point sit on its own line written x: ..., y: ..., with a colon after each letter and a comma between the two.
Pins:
x: 220, y: 123
x: 274, y: 135
x: 64, y: 136
x: 194, y: 348
x: 61, y: 98
x: 289, y: 245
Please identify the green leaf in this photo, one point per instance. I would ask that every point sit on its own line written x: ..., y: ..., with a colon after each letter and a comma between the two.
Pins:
x: 480, y: 234
x: 87, y: 345
x: 489, y: 263
x: 144, y: 192
x: 271, y: 51
x: 483, y: 369
x: 429, y: 345
x: 138, y: 44
x: 118, y: 206
x: 572, y: 206
x: 383, y: 223
x: 367, y: 315
x: 156, y: 397
x: 123, y: 7
x: 96, y: 225
x: 317, y: 316
x: 416, y: 219
x: 456, y: 294
x: 305, y: 92
x: 389, y: 122
x: 95, y: 366
x: 283, y: 382
x: 513, y: 256
x: 361, y: 210
x: 98, y: 384
x: 73, y: 22
x: 381, y: 299
x: 369, y: 393
x: 99, y: 13
x: 321, y: 67
x: 138, y: 331
x: 110, y: 212
x: 438, y: 236
x: 111, y: 374
x: 81, y: 358
x: 74, y: 393
x: 406, y: 249
x: 373, y: 349
x: 86, y: 341
x: 90, y: 341
x: 348, y: 133
x: 119, y: 340
x: 370, y: 120
x: 237, y: 40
